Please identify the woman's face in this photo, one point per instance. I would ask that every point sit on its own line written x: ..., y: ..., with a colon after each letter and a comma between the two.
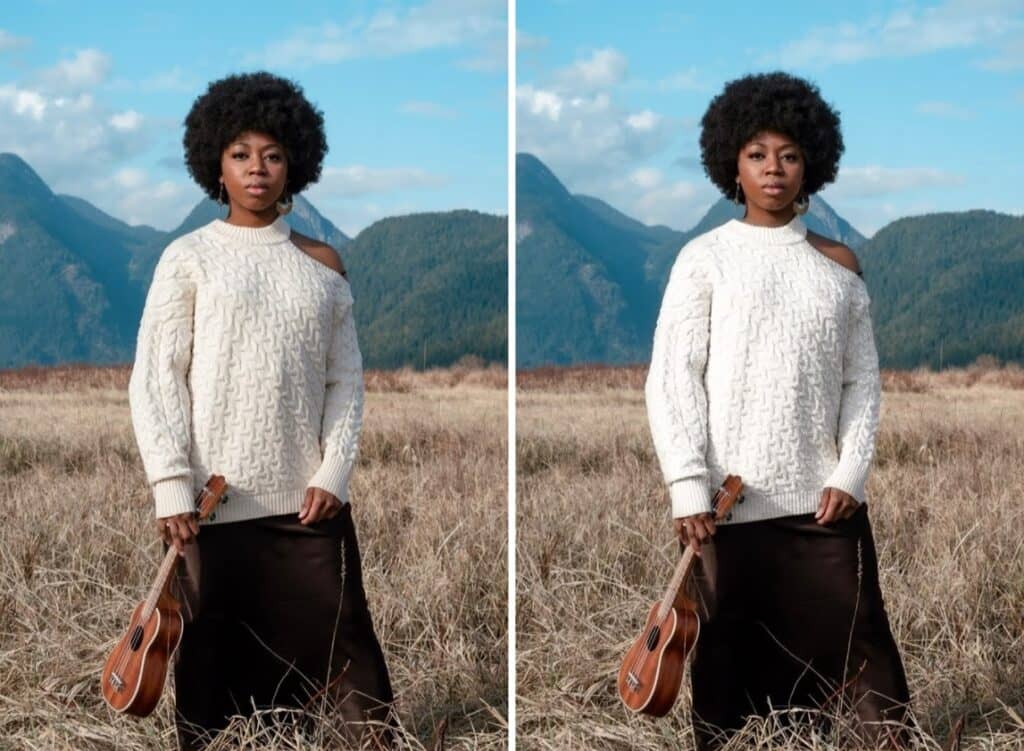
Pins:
x: 254, y: 171
x: 771, y: 173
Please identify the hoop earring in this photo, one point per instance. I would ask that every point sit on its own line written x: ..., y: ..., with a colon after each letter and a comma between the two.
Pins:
x: 220, y: 195
x: 285, y: 205
x: 738, y: 198
x: 801, y: 204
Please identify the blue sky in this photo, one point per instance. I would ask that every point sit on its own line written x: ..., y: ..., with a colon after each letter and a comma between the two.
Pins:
x: 931, y: 96
x: 93, y: 96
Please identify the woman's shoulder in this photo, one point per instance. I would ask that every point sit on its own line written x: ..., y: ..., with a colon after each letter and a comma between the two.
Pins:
x: 319, y: 251
x: 834, y: 251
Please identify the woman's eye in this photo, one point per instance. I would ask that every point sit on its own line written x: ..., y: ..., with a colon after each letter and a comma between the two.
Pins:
x: 274, y: 157
x: 238, y: 155
x: 791, y: 157
x: 756, y: 155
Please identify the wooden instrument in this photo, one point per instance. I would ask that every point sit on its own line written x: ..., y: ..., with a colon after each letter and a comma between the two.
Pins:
x: 134, y: 674
x: 652, y: 670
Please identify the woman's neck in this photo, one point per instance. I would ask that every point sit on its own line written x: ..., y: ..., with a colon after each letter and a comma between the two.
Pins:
x: 241, y: 217
x: 764, y: 218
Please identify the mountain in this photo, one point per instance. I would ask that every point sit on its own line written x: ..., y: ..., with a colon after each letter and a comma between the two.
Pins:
x: 585, y: 283
x: 590, y: 278
x: 68, y: 291
x: 434, y: 286
x: 74, y: 279
x: 946, y: 288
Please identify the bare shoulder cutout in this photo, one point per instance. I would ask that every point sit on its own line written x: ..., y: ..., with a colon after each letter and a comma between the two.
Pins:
x: 319, y: 251
x: 835, y: 251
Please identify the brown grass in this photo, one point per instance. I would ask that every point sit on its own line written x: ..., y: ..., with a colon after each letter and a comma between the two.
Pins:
x: 77, y: 550
x: 987, y: 371
x: 595, y: 549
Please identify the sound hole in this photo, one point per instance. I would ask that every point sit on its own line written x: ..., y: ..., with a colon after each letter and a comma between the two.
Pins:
x: 136, y: 641
x: 652, y: 638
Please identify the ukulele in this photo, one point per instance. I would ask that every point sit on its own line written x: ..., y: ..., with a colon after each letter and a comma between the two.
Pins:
x: 652, y: 670
x: 134, y: 674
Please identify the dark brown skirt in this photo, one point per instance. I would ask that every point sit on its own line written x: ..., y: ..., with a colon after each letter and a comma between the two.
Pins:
x: 274, y: 612
x: 795, y: 619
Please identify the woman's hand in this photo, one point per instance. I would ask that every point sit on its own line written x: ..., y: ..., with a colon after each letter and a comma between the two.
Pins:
x: 694, y: 530
x: 178, y: 530
x: 319, y: 504
x: 835, y: 505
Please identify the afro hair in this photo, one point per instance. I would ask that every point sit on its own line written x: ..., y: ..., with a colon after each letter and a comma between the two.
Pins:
x: 254, y: 102
x: 770, y: 101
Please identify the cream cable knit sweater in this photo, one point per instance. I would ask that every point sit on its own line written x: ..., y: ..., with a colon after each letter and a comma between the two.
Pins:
x: 764, y: 365
x: 247, y: 366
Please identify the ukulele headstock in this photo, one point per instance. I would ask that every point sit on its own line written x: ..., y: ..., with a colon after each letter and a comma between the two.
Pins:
x: 727, y: 496
x: 211, y: 494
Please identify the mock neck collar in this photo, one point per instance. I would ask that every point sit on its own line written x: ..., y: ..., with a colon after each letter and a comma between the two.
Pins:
x: 273, y: 234
x: 788, y: 234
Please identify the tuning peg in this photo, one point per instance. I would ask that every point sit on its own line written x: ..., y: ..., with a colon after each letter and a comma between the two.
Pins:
x: 741, y: 499
x: 728, y: 517
x: 213, y: 516
x: 224, y: 498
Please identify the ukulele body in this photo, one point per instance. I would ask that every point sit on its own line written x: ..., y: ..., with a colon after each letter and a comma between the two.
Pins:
x: 135, y: 671
x: 652, y: 670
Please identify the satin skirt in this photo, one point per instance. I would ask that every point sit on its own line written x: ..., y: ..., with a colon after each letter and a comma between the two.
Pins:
x: 794, y: 618
x: 275, y: 612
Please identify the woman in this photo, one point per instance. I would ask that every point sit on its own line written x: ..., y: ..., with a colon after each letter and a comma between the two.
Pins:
x: 247, y: 366
x: 764, y: 366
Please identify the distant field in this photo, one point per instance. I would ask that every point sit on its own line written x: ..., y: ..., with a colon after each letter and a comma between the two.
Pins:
x: 78, y: 550
x: 595, y: 549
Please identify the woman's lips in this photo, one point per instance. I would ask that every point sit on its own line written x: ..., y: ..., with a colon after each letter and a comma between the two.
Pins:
x: 256, y: 190
x: 773, y: 190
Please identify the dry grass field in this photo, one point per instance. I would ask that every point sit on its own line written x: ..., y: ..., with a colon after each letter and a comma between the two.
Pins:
x: 78, y: 550
x: 595, y: 549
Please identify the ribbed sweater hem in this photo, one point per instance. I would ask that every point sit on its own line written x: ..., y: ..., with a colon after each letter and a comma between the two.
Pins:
x: 242, y: 506
x: 759, y: 506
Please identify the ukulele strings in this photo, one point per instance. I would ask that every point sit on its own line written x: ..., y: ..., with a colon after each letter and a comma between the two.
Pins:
x: 126, y: 650
x: 640, y: 661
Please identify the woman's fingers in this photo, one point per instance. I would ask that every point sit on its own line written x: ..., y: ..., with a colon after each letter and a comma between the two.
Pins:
x: 319, y: 505
x: 694, y: 530
x: 835, y: 504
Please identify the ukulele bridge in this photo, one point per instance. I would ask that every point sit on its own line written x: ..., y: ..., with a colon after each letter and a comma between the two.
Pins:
x: 116, y: 682
x: 633, y: 681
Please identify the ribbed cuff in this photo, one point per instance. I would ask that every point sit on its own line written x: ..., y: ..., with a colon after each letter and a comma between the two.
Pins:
x: 332, y: 476
x: 174, y: 496
x: 850, y: 478
x: 689, y: 497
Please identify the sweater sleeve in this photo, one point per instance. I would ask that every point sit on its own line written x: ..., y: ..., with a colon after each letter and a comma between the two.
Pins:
x: 343, y: 404
x: 158, y: 390
x: 675, y: 392
x: 859, y: 402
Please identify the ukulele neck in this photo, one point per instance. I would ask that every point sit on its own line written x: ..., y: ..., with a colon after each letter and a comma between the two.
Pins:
x: 166, y: 567
x: 682, y: 571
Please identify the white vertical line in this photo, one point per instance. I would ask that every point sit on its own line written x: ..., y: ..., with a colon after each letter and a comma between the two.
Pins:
x: 511, y: 168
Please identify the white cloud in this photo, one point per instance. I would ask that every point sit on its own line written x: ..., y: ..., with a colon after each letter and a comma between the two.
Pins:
x: 648, y: 195
x: 127, y: 120
x: 70, y: 140
x: 645, y: 120
x: 134, y: 196
x: 434, y: 24
x: 954, y: 24
x: 604, y: 69
x: 359, y: 180
x: 86, y: 70
x: 875, y: 180
x: 428, y: 109
x: 10, y: 42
